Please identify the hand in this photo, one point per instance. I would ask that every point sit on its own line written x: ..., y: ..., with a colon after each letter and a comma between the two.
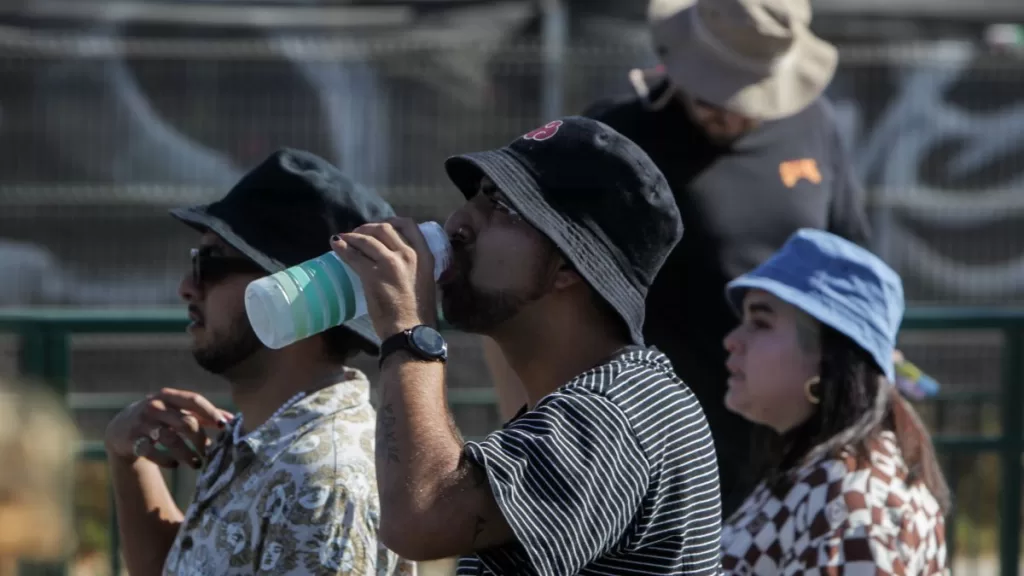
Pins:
x: 396, y: 269
x: 172, y: 416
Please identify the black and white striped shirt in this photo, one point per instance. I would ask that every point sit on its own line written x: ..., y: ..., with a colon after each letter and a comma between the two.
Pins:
x: 614, y: 473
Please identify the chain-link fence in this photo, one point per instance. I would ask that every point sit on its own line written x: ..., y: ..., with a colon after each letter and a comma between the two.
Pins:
x: 100, y: 135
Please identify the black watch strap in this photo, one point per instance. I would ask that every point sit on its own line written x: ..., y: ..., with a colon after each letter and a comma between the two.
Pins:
x: 392, y: 344
x: 404, y: 340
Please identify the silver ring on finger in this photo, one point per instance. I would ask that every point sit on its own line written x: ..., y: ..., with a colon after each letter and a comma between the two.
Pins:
x: 154, y: 434
x: 140, y: 445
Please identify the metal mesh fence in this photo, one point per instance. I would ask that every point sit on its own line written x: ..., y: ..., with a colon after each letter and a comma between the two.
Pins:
x: 100, y: 135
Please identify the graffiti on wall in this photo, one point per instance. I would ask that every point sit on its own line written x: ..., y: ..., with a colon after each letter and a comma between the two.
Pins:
x: 937, y: 136
x: 940, y: 142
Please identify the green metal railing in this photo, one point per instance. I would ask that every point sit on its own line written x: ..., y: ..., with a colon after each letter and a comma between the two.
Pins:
x: 45, y: 354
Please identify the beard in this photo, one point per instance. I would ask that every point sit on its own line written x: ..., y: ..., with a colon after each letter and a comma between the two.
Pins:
x: 480, y: 311
x: 224, y: 352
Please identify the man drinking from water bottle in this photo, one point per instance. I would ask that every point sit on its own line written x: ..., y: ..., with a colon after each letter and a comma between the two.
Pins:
x: 610, y: 469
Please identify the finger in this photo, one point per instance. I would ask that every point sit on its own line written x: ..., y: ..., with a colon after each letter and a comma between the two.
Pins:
x: 149, y: 451
x: 411, y: 233
x: 386, y: 234
x: 164, y: 444
x: 191, y: 431
x: 156, y: 435
x: 178, y: 450
x: 370, y: 247
x: 181, y: 422
x: 351, y: 256
x: 204, y: 410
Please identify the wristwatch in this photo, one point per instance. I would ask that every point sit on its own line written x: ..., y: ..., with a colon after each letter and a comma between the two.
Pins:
x: 422, y: 341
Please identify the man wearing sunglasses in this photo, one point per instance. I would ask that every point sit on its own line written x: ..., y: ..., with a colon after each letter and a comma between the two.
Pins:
x: 288, y: 485
x: 736, y: 120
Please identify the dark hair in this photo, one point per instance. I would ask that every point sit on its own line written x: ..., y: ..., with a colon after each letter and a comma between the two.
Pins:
x: 604, y: 307
x: 341, y: 344
x: 857, y: 402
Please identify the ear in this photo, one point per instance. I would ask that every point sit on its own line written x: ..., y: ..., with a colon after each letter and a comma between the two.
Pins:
x: 566, y: 276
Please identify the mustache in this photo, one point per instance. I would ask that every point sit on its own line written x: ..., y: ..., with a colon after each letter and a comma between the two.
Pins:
x: 462, y: 256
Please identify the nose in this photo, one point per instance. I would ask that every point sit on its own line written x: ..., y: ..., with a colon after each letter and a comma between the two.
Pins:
x: 732, y: 341
x: 460, y: 224
x: 187, y: 289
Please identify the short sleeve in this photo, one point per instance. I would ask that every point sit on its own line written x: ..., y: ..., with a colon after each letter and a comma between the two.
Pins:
x: 321, y: 530
x: 569, y: 478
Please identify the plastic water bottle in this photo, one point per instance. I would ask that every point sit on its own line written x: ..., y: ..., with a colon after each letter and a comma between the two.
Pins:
x: 319, y: 294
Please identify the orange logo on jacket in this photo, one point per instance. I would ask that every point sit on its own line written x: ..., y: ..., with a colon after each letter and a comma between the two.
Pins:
x: 792, y: 171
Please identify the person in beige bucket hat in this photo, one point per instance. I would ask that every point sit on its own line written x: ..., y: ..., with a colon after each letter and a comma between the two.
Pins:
x: 736, y: 119
x: 754, y: 58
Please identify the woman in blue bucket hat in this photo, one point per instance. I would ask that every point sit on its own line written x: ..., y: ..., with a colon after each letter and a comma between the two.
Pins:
x: 849, y: 478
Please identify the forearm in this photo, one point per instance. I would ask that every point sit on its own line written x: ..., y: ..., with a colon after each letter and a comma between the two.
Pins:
x: 434, y: 504
x: 416, y: 446
x: 147, y: 516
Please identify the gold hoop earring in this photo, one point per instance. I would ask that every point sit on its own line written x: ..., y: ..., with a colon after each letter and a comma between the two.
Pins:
x: 810, y: 390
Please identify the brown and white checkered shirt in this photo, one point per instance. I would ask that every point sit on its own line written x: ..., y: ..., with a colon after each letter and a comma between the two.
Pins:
x: 840, y: 516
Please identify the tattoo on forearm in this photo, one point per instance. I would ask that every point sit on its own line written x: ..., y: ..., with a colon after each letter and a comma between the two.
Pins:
x: 387, y: 442
x: 477, y: 479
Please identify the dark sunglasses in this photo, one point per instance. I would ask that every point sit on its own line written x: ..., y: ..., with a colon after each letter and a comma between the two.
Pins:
x: 208, y: 268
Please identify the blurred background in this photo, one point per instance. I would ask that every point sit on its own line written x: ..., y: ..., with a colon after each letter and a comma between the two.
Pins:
x: 113, y: 111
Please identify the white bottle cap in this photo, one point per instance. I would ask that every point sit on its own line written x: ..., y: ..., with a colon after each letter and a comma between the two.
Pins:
x: 269, y: 313
x: 440, y: 246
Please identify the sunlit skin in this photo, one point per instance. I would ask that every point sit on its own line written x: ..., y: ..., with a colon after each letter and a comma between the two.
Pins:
x: 773, y: 353
x: 481, y: 293
x: 508, y: 281
x: 515, y: 251
x: 224, y: 343
x: 222, y: 339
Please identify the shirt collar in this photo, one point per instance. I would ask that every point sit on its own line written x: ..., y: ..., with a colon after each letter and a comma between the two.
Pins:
x: 274, y: 436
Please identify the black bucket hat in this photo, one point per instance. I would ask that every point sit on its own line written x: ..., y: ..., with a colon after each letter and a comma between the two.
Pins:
x: 596, y: 195
x: 284, y: 211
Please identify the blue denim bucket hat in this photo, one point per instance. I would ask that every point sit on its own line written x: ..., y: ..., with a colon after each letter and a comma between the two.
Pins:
x: 837, y: 282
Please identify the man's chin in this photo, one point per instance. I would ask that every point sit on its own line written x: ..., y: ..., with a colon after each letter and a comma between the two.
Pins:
x: 456, y: 316
x: 222, y: 361
x: 461, y: 311
x: 209, y: 362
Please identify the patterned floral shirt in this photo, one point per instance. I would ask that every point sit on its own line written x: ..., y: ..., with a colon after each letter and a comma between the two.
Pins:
x: 840, y: 517
x: 296, y: 496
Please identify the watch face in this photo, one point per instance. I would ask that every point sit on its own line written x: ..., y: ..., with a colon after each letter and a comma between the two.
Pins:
x: 429, y: 341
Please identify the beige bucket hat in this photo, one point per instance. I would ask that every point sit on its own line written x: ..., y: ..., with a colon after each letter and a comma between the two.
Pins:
x: 757, y: 58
